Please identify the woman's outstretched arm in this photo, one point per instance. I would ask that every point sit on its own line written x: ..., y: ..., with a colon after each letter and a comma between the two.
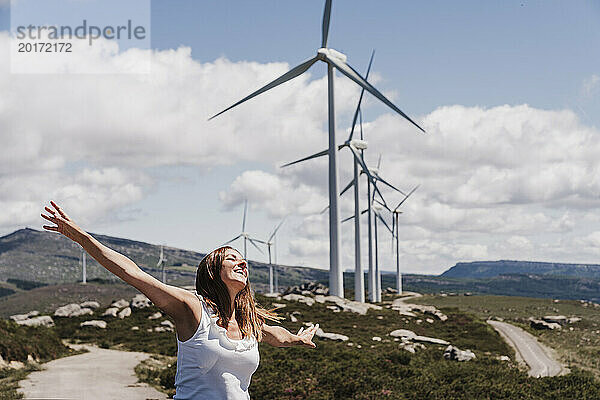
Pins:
x: 280, y: 337
x: 172, y: 300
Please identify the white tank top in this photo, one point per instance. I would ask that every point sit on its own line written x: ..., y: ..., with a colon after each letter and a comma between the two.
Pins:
x: 212, y: 366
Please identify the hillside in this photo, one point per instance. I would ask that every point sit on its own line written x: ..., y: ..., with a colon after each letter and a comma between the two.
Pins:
x: 489, y: 269
x: 45, y: 257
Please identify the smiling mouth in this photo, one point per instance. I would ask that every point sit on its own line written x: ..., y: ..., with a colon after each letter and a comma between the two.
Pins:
x: 242, y: 272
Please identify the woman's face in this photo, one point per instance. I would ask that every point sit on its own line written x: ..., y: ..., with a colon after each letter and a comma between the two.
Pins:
x: 234, y: 271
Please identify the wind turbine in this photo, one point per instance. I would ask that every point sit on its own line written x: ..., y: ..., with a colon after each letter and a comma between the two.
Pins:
x: 337, y: 60
x: 270, y: 242
x: 83, y: 266
x: 245, y: 235
x: 396, y: 233
x: 161, y: 263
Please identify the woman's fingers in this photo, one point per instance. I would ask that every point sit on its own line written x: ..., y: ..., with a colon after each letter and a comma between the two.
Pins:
x: 51, y: 219
x: 51, y: 211
x: 60, y: 211
x: 50, y: 228
x: 300, y: 331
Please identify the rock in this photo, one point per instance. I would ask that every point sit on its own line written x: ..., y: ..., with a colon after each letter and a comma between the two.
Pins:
x: 156, y: 315
x: 82, y: 311
x: 90, y: 304
x: 429, y: 320
x: 111, y: 312
x: 504, y: 358
x: 454, y: 353
x: 403, y: 333
x: 380, y: 317
x: 279, y: 305
x: 43, y: 320
x: 331, y: 336
x: 390, y: 290
x: 293, y: 318
x: 126, y: 312
x: 120, y: 304
x: 67, y: 310
x: 16, y: 365
x: 135, y: 328
x: 272, y: 295
x: 309, y: 301
x: 352, y: 306
x: 407, y: 335
x: 376, y: 339
x: 540, y: 324
x: 319, y: 298
x: 21, y: 317
x: 94, y: 323
x: 168, y: 324
x: 573, y: 320
x: 140, y: 301
x: 557, y: 319
x: 308, y: 288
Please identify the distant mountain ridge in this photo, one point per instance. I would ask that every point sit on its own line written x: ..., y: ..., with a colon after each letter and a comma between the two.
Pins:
x: 490, y: 269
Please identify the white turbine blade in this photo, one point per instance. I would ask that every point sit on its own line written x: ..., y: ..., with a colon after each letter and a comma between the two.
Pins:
x: 326, y: 18
x: 362, y: 92
x: 319, y: 154
x: 254, y: 244
x: 406, y: 197
x: 291, y: 74
x: 258, y: 240
x: 323, y: 211
x: 379, y: 161
x: 234, y: 239
x: 244, y: 219
x: 347, y: 187
x: 275, y: 230
x: 355, y: 76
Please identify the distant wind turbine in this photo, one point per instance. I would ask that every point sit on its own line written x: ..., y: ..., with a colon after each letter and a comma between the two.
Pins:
x: 245, y: 235
x: 396, y: 232
x: 334, y: 60
x: 161, y: 264
x: 270, y: 243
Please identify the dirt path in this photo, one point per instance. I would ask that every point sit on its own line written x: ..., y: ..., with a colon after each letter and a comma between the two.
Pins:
x: 529, y: 350
x: 99, y: 374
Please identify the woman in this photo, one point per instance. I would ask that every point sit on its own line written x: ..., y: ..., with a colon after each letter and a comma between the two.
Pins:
x: 218, y: 327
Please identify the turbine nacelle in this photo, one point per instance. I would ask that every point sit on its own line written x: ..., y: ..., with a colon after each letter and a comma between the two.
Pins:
x: 359, y: 144
x: 325, y: 53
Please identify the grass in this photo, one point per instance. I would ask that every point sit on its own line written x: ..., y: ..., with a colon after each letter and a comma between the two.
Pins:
x: 579, y: 347
x: 367, y: 369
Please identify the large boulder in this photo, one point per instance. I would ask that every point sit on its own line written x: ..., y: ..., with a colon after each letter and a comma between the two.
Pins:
x: 43, y: 320
x: 140, y: 301
x: 81, y: 311
x: 126, y: 312
x: 67, y: 310
x: 555, y: 319
x: 308, y: 288
x: 156, y: 315
x: 90, y: 304
x: 111, y: 312
x: 21, y: 317
x: 309, y: 301
x: 331, y: 336
x: 411, y: 336
x: 454, y: 353
x: 540, y: 324
x: 351, y: 306
x: 400, y: 333
x: 94, y: 324
x: 120, y: 304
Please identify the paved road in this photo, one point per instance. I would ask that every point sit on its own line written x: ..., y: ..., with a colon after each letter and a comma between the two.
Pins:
x: 100, y: 374
x: 529, y: 349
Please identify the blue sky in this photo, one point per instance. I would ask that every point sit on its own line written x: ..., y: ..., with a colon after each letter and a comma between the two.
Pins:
x: 455, y: 63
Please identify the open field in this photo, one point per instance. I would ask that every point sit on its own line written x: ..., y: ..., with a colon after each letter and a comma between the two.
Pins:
x: 579, y: 347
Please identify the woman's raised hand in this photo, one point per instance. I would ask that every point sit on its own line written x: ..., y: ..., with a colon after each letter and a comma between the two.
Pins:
x: 64, y: 224
x: 306, y: 336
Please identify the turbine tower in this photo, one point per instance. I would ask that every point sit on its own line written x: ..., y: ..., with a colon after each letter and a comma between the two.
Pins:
x: 269, y: 243
x: 161, y: 264
x: 245, y: 235
x: 83, y: 267
x: 334, y: 60
x: 395, y: 232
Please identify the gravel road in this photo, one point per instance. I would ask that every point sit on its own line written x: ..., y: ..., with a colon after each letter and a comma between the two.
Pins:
x: 529, y: 349
x: 99, y: 374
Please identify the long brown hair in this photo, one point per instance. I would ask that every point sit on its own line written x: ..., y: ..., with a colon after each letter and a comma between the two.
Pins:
x: 248, y: 314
